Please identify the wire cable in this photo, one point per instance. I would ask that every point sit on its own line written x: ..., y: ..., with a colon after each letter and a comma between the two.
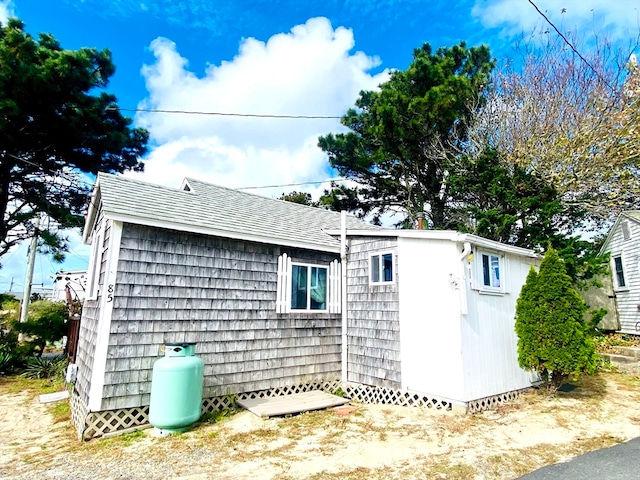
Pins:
x: 223, y: 114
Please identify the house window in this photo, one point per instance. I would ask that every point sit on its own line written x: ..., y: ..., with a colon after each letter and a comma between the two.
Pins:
x: 490, y: 271
x: 626, y: 234
x: 381, y: 268
x: 617, y: 261
x: 308, y: 287
x: 95, y: 263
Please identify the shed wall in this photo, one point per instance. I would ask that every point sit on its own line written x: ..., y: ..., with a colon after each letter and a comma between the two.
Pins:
x: 430, y: 317
x: 489, y: 340
x: 373, y: 327
x: 179, y: 287
x: 628, y: 298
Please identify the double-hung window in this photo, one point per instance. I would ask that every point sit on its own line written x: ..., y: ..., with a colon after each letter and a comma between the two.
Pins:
x: 619, y: 272
x: 308, y: 287
x: 381, y: 268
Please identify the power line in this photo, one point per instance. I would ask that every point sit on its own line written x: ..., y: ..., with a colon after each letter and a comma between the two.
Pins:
x: 566, y: 40
x: 223, y: 114
x: 294, y: 184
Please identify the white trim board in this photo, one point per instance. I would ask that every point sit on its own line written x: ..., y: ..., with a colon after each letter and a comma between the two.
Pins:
x: 104, y: 322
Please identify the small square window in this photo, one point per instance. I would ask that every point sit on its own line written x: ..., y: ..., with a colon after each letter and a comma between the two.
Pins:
x: 617, y: 261
x: 491, y: 270
x: 381, y: 268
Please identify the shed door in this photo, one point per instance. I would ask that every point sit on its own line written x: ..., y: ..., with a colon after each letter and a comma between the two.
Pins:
x: 604, y: 298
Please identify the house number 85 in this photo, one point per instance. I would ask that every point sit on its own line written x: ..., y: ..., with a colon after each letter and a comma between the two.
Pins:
x: 110, y: 293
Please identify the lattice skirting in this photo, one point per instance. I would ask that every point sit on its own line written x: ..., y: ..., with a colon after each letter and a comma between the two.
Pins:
x: 492, y: 402
x: 390, y: 396
x: 95, y: 424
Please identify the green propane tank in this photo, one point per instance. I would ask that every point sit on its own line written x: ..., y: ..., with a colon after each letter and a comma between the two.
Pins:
x: 176, y: 389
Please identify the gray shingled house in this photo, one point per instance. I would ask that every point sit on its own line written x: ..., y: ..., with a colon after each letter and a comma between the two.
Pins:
x: 260, y: 285
x: 254, y: 281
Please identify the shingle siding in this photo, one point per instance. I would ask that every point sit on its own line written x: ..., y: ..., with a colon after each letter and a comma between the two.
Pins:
x: 221, y: 293
x: 373, y: 319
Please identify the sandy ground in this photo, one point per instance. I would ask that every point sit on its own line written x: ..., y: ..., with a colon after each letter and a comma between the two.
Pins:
x: 367, y: 442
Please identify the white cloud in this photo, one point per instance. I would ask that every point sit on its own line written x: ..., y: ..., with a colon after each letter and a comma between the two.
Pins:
x: 616, y: 19
x: 7, y: 11
x: 308, y: 71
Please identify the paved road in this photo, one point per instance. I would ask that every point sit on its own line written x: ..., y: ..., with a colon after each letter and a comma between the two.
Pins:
x: 621, y: 462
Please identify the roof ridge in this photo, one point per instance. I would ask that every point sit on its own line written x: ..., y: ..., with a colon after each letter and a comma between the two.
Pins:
x: 262, y: 197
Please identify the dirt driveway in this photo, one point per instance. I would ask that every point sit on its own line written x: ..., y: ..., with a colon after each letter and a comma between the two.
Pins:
x: 371, y: 442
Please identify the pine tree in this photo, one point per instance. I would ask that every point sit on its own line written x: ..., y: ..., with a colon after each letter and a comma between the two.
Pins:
x: 552, y: 335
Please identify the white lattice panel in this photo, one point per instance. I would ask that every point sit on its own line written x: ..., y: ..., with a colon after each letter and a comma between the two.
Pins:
x: 492, y: 402
x: 96, y: 424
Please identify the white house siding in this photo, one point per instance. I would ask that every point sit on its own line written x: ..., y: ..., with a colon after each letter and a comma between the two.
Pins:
x: 628, y: 298
x: 179, y: 287
x: 430, y: 317
x: 373, y: 329
x: 489, y: 341
x: 89, y: 327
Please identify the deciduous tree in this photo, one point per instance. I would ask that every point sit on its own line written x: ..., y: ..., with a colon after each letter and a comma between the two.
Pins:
x: 570, y: 119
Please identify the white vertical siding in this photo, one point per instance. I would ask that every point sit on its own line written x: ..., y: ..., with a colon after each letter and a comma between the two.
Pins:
x: 628, y: 298
x: 430, y: 317
x: 489, y: 340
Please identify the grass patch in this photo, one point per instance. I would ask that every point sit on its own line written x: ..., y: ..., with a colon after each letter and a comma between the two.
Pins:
x: 18, y: 384
x: 61, y: 411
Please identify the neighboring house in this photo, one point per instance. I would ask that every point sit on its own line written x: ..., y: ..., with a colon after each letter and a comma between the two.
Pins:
x: 259, y: 284
x: 73, y: 280
x: 623, y: 245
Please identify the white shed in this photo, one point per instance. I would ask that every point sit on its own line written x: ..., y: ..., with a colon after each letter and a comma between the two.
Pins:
x: 433, y: 312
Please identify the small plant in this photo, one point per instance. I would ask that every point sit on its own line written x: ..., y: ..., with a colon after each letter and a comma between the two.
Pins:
x: 39, y: 367
x: 339, y: 392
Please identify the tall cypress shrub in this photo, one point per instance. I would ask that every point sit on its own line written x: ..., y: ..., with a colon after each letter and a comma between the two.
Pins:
x: 552, y: 336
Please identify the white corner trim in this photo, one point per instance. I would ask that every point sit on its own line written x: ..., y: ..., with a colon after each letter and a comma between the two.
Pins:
x: 107, y: 292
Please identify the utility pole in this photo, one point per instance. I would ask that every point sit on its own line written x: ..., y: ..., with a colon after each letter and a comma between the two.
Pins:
x: 24, y: 311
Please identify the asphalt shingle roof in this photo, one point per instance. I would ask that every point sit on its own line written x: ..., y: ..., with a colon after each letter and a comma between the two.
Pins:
x: 221, y: 209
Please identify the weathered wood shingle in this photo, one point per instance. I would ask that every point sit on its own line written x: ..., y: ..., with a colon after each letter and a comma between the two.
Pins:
x: 373, y: 318
x: 221, y: 295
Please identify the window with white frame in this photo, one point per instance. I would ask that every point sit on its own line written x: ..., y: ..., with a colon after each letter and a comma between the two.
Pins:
x: 308, y: 287
x: 95, y: 262
x: 619, y: 272
x: 490, y: 271
x: 381, y: 268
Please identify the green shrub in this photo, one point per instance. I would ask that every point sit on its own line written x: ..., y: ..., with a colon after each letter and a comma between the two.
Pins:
x: 553, y: 338
x: 47, y: 323
x: 42, y: 367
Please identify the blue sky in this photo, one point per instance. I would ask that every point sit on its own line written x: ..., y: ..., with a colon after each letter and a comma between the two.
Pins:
x: 276, y: 57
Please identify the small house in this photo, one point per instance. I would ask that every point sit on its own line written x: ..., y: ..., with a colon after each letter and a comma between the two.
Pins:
x: 281, y: 297
x: 622, y: 299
